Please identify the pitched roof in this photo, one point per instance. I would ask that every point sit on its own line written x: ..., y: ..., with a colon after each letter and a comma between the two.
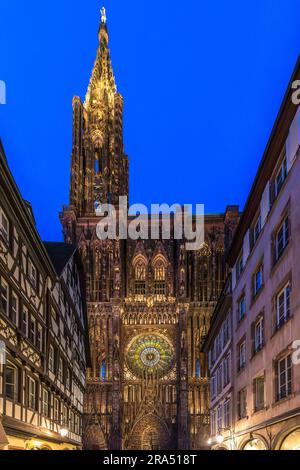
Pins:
x: 60, y: 254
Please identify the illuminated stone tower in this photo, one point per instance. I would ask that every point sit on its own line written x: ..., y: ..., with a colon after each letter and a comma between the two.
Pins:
x: 99, y: 165
x: 149, y: 302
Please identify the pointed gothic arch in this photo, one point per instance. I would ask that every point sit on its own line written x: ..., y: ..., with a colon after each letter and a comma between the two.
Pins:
x: 150, y: 432
x: 94, y: 438
x: 140, y: 268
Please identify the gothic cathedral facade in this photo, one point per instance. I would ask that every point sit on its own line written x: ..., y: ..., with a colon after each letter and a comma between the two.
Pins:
x: 149, y: 301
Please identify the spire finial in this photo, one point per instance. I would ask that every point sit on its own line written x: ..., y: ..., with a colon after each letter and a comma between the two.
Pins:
x: 103, y: 15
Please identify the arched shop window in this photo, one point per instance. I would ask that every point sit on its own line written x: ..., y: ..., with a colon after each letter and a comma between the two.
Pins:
x: 292, y: 441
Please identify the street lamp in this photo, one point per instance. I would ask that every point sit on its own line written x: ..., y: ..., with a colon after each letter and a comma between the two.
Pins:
x: 63, y: 432
x: 219, y: 439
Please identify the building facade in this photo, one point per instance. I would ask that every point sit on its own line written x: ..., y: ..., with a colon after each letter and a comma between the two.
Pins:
x: 42, y: 332
x: 265, y: 300
x: 149, y: 301
x: 218, y: 346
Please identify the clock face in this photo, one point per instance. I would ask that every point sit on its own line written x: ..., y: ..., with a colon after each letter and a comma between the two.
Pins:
x: 150, y: 354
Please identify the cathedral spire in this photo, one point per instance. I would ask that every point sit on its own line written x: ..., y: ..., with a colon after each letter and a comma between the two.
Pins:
x: 103, y: 31
x: 102, y: 78
x: 103, y: 15
x: 99, y: 164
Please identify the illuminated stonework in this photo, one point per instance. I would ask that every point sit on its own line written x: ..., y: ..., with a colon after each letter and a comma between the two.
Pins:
x: 152, y: 355
x: 149, y: 301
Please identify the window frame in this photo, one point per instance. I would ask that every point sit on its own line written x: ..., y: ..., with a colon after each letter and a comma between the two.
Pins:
x: 288, y: 377
x: 239, y: 266
x: 56, y: 411
x: 40, y: 337
x: 4, y: 232
x: 4, y: 286
x: 213, y: 426
x: 60, y: 372
x: 51, y: 359
x: 242, y: 354
x: 242, y: 410
x: 258, y: 275
x: 256, y: 229
x: 32, y: 331
x: 14, y: 310
x: 259, y: 334
x: 259, y: 406
x: 65, y: 416
x: 45, y: 403
x: 220, y: 418
x: 15, y: 384
x: 31, y: 393
x: 286, y: 292
x: 285, y: 239
x: 25, y: 324
x: 282, y: 172
x: 213, y: 387
x: 242, y: 301
x: 68, y: 379
x: 31, y: 269
x: 227, y: 413
x: 140, y: 288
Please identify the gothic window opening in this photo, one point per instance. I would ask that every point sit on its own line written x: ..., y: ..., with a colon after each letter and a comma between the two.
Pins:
x: 97, y: 206
x: 103, y: 370
x: 140, y: 278
x: 198, y: 369
x: 159, y: 279
x: 97, y: 164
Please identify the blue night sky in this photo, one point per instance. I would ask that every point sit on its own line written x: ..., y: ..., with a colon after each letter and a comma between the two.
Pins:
x: 202, y: 83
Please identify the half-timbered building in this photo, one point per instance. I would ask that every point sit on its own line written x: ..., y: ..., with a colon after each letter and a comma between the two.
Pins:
x: 42, y: 331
